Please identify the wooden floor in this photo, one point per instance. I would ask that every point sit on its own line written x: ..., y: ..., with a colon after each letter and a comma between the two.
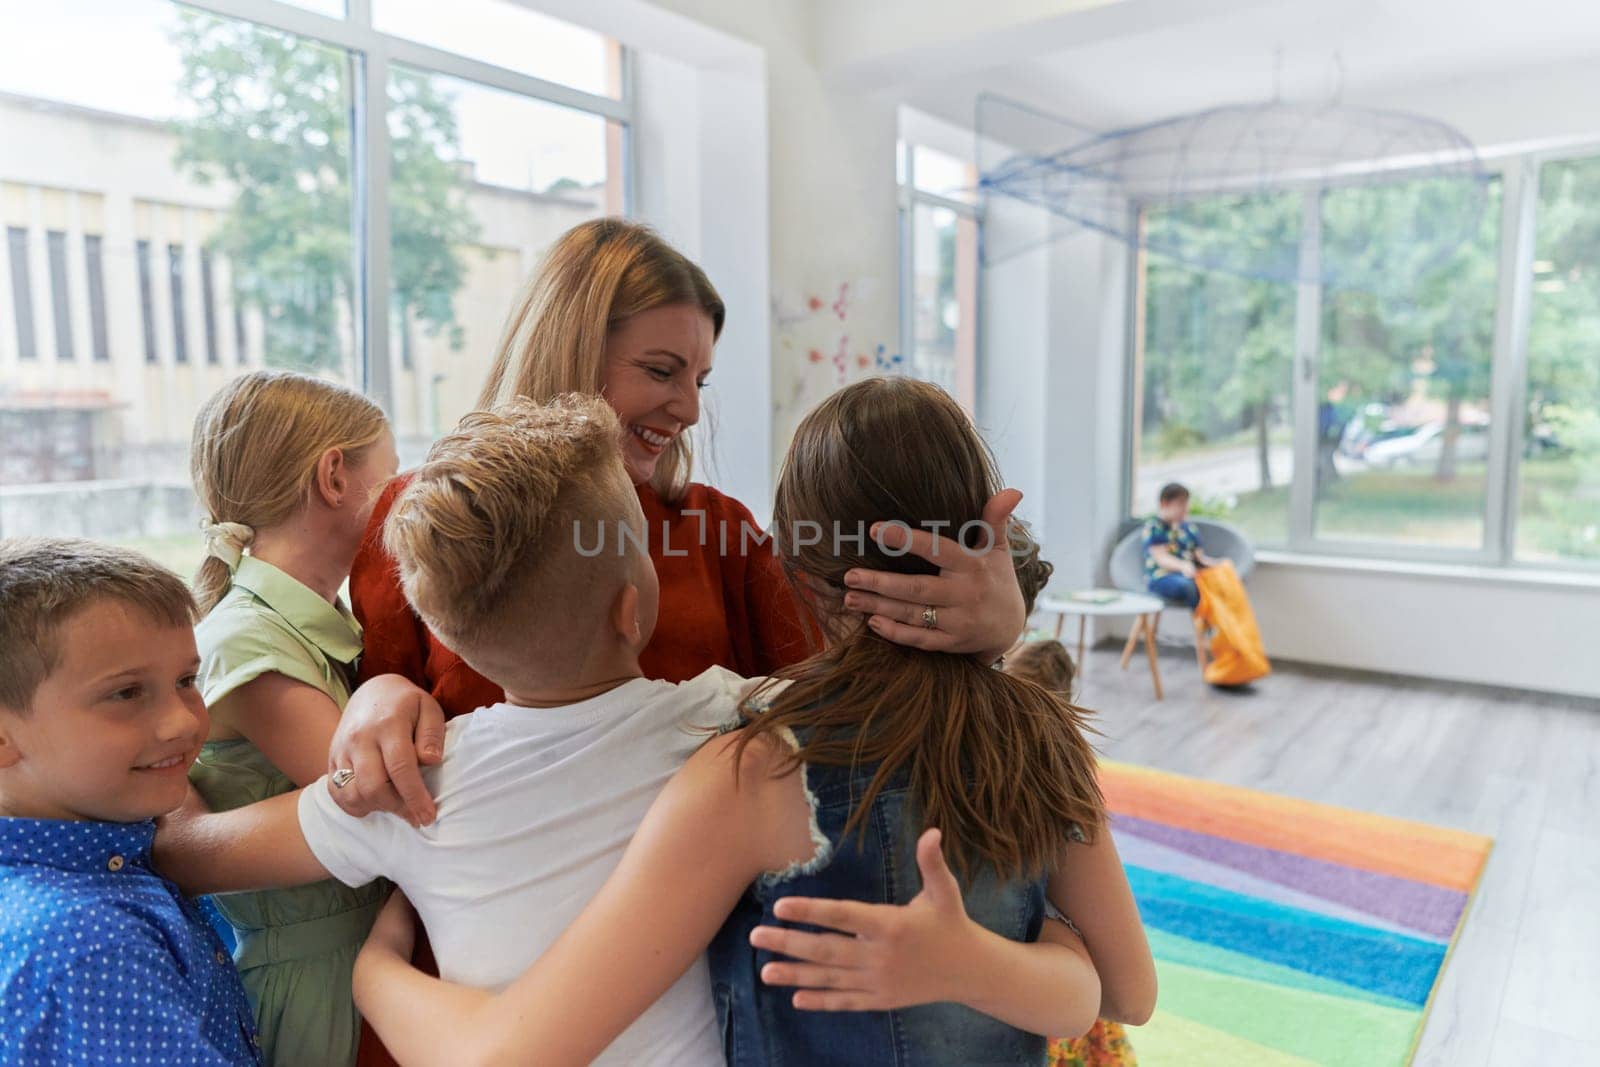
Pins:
x: 1523, y: 986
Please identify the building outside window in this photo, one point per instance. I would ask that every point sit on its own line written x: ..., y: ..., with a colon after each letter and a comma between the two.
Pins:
x: 222, y: 176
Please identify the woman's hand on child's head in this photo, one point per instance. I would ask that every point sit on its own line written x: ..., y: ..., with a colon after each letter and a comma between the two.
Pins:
x: 388, y: 731
x: 885, y: 956
x: 977, y: 602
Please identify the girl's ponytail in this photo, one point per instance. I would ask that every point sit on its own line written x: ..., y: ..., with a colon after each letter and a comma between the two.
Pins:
x: 225, y: 545
x: 1000, y: 765
x: 254, y: 457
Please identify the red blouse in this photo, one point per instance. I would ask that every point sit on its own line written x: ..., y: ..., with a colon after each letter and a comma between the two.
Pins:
x: 724, y: 602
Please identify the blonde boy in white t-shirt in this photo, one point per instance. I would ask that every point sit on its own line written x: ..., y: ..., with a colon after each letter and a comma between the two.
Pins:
x: 537, y: 797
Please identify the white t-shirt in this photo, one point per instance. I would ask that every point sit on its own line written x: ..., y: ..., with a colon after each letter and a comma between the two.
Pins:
x: 536, y: 806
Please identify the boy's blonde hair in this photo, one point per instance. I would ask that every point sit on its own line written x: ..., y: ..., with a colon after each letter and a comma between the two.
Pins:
x: 254, y: 456
x: 45, y: 581
x: 596, y: 275
x: 486, y: 534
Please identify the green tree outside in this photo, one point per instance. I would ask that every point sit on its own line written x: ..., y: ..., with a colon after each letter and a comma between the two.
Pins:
x: 273, y: 120
x: 1401, y: 318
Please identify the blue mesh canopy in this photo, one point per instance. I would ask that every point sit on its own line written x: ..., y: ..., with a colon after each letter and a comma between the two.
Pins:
x: 1192, y: 174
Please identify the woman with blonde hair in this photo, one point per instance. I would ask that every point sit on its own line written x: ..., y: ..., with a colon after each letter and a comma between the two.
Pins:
x: 615, y: 310
x: 287, y: 468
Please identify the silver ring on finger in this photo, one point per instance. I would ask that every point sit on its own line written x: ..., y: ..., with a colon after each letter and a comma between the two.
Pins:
x: 930, y: 618
x: 342, y: 777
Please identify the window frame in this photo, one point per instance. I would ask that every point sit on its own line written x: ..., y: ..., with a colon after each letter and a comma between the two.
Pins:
x: 177, y: 271
x: 142, y: 253
x: 371, y: 54
x: 95, y: 271
x: 208, y: 302
x: 59, y: 267
x: 1519, y: 173
x: 19, y: 257
x: 911, y: 198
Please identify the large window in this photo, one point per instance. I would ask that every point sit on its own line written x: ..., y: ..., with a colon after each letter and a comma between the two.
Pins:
x: 1384, y: 396
x: 939, y: 270
x: 1403, y: 383
x: 1212, y: 391
x: 482, y: 181
x: 190, y: 191
x: 1558, y: 508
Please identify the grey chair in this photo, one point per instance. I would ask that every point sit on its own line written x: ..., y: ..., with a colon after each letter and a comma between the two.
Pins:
x: 1218, y: 538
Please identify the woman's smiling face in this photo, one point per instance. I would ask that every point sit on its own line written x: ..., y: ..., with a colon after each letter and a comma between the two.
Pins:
x: 656, y: 364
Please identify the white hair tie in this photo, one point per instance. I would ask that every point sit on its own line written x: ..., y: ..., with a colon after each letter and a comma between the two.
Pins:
x: 227, y: 541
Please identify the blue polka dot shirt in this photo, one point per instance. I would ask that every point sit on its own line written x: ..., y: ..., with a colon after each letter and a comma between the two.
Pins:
x: 103, y: 961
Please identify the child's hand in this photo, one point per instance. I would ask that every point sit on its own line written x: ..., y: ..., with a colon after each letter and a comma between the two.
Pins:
x: 887, y: 956
x: 395, y: 931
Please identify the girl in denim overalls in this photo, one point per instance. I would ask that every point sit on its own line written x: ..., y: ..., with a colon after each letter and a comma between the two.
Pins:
x: 827, y: 794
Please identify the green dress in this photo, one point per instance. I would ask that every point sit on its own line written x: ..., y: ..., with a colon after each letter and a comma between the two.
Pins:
x: 297, y: 947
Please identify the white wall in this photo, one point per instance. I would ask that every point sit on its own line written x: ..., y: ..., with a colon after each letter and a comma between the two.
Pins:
x: 1472, y: 629
x: 1051, y: 390
x: 700, y: 149
x: 1551, y: 103
x: 829, y: 180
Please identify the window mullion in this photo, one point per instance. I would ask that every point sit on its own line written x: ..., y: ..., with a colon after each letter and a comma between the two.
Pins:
x: 908, y: 252
x: 340, y: 32
x: 1509, y: 373
x: 372, y: 217
x: 1307, y: 359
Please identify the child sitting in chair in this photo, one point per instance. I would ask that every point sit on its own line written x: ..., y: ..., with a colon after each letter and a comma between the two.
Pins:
x: 1172, y: 549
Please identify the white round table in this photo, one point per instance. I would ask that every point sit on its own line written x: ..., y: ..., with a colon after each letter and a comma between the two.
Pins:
x: 1144, y: 607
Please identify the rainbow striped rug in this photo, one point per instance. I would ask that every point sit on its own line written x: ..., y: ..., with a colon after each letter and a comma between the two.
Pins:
x: 1286, y: 932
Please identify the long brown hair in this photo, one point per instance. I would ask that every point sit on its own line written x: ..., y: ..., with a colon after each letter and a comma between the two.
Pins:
x: 999, y: 764
x: 255, y: 449
x: 596, y: 275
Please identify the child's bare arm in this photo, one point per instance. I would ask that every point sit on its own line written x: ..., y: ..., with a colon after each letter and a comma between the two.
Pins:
x: 292, y: 723
x: 1090, y: 886
x: 259, y: 846
x: 1168, y: 562
x: 387, y: 982
x: 892, y: 956
x: 703, y: 841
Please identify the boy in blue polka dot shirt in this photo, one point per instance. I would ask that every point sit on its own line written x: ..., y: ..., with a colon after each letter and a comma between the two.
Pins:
x: 102, y: 961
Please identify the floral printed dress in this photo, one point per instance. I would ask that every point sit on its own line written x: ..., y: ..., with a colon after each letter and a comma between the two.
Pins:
x: 1105, y: 1045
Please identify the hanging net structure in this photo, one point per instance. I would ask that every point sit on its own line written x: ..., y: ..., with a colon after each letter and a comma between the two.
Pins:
x: 1180, y: 186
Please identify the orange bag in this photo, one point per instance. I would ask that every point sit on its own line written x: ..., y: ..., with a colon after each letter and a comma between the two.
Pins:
x: 1236, y: 654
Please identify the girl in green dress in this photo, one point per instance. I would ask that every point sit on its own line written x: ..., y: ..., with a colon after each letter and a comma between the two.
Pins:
x: 287, y: 468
